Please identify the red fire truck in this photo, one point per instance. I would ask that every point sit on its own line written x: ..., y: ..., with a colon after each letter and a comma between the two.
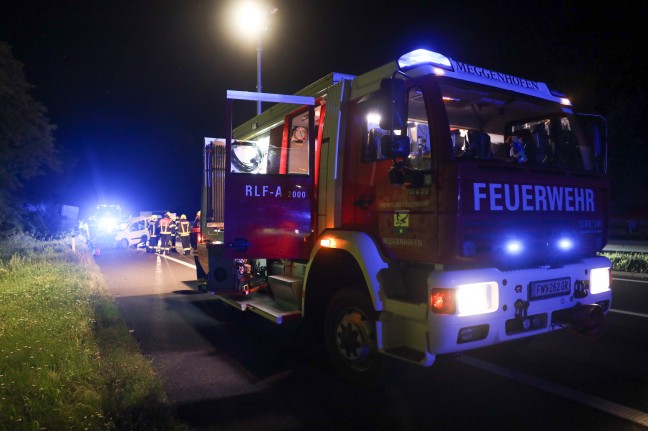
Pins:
x: 423, y: 208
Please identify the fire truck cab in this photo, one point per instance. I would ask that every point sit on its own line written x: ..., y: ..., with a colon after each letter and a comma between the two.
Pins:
x: 423, y: 208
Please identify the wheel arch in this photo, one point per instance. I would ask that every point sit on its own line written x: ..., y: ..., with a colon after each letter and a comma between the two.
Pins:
x: 352, y: 262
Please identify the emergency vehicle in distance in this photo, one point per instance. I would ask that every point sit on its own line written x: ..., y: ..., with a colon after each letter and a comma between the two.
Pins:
x: 108, y: 218
x: 423, y: 208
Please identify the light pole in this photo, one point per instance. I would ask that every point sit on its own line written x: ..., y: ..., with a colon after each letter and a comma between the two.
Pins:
x: 259, y: 55
x: 252, y: 18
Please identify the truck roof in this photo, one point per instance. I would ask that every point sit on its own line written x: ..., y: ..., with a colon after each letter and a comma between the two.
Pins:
x: 421, y: 61
x: 415, y: 63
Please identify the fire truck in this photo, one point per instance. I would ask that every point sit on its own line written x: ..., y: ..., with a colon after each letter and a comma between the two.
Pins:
x: 421, y: 209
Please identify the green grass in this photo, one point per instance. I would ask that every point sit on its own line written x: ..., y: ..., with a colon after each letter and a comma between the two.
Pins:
x: 628, y: 262
x: 67, y: 360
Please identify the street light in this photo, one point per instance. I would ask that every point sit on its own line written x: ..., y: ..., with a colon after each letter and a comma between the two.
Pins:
x: 252, y: 19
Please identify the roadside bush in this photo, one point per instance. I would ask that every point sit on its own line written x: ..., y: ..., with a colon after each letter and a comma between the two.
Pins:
x: 628, y: 262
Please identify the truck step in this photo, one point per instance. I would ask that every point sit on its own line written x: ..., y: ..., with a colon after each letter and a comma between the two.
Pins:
x: 264, y: 306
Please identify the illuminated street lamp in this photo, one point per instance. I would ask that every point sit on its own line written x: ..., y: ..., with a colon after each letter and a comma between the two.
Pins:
x: 252, y: 18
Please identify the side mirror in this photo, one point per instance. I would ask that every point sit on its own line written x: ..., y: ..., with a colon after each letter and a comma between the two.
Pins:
x: 596, y: 127
x: 599, y: 139
x: 393, y: 98
x: 395, y: 146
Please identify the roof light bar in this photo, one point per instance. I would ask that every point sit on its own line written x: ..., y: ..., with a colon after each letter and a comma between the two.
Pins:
x: 423, y: 56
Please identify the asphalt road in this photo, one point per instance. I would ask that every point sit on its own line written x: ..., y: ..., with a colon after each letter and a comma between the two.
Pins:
x: 227, y: 370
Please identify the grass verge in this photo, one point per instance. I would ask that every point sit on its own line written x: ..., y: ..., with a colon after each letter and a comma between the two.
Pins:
x: 67, y: 360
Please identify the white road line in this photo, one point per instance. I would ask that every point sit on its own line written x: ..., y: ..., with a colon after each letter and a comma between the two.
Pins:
x: 630, y: 279
x: 182, y: 262
x: 615, y: 409
x: 629, y: 313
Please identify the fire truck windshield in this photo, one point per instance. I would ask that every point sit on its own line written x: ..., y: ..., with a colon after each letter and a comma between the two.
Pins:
x: 492, y: 124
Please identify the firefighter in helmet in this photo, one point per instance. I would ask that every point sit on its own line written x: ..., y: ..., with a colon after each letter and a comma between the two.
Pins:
x: 165, y: 233
x: 153, y: 231
x: 174, y: 231
x: 184, y: 230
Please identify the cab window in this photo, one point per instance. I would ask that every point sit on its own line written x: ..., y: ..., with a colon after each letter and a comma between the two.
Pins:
x: 417, y: 130
x: 282, y: 150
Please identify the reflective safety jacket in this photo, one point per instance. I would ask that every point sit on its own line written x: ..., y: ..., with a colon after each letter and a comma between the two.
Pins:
x: 184, y: 228
x: 165, y: 226
x: 153, y: 228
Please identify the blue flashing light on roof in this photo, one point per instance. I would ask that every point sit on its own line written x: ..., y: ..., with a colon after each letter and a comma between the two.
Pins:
x: 423, y: 56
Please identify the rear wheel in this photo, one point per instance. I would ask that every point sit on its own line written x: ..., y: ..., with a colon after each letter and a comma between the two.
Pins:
x: 351, y: 341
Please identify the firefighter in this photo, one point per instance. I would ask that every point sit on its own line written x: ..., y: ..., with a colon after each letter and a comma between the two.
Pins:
x: 174, y: 231
x: 165, y: 233
x: 184, y: 230
x: 153, y: 231
x: 195, y: 231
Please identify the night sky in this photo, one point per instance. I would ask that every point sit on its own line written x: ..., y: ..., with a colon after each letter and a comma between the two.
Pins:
x: 134, y: 86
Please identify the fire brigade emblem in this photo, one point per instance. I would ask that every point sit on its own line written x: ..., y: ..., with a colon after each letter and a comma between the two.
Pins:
x: 401, y: 222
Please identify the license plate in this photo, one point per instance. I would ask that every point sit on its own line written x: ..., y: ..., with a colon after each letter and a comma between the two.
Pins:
x: 549, y: 288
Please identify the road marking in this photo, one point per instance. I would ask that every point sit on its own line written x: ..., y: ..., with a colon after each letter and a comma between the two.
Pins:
x: 630, y: 279
x: 182, y: 262
x: 615, y: 409
x: 629, y: 313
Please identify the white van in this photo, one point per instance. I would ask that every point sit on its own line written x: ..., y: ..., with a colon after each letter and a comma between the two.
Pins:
x: 132, y: 232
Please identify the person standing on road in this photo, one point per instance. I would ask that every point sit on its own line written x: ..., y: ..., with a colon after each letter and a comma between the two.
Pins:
x: 153, y: 231
x: 184, y: 230
x: 165, y: 233
x: 195, y: 231
x: 174, y: 231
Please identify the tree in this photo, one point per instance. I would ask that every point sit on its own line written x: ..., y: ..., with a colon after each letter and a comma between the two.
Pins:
x: 26, y: 139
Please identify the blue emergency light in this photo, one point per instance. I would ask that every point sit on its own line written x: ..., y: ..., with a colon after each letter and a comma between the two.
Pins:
x: 423, y: 56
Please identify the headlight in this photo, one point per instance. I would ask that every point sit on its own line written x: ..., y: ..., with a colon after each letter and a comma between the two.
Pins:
x: 599, y: 280
x: 477, y: 298
x: 465, y: 299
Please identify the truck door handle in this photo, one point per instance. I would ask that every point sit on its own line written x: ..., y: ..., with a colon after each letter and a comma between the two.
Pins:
x: 363, y: 202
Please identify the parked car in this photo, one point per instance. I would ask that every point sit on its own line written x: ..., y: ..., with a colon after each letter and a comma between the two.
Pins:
x: 132, y: 233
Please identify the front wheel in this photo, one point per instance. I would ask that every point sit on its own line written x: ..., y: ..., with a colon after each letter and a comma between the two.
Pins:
x: 351, y: 340
x: 124, y: 243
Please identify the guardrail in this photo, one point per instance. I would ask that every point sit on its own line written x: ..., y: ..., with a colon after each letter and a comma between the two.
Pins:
x: 627, y: 246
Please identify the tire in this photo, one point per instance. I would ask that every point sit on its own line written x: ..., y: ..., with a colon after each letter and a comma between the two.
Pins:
x: 124, y: 243
x: 350, y: 334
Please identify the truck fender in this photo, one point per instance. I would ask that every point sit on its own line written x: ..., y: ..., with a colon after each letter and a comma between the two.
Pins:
x: 364, y: 250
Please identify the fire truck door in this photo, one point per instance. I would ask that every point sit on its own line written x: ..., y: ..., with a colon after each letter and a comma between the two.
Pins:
x: 396, y: 202
x: 269, y: 205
